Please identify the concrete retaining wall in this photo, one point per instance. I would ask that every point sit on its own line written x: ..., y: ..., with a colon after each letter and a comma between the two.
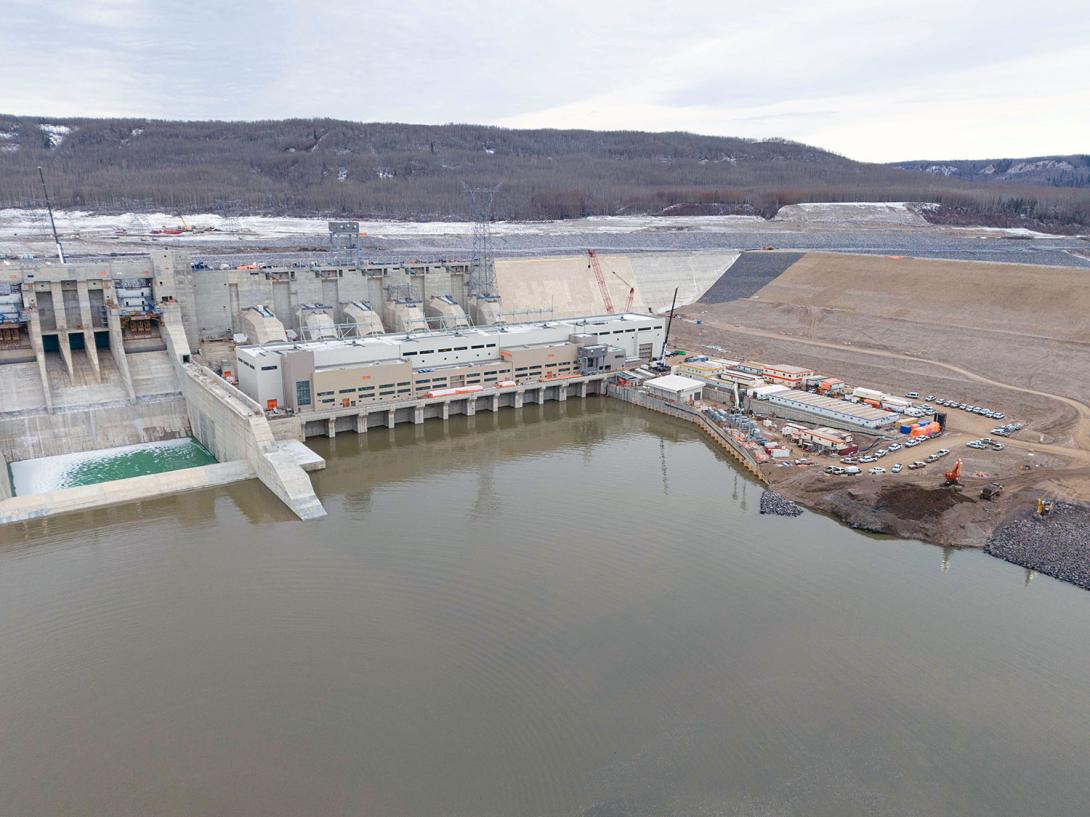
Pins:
x: 233, y: 427
x: 716, y: 434
x: 28, y: 435
x: 6, y: 490
x: 122, y: 491
x: 567, y: 285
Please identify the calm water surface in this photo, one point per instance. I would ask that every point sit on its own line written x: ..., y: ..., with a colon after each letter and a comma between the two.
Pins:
x: 572, y: 611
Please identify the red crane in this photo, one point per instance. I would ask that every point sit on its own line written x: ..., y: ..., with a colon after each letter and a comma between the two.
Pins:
x: 597, y: 268
x: 631, y: 292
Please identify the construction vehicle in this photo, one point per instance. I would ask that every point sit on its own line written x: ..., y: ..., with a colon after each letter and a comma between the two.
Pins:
x: 953, y: 476
x: 991, y: 492
x: 1044, y: 506
x: 660, y: 364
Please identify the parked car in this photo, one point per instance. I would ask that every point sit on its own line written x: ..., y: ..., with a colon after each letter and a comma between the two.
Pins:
x: 942, y: 452
x: 868, y: 459
x: 895, y: 447
x: 930, y: 397
x: 896, y: 469
x: 878, y: 470
x: 917, y: 464
x: 912, y: 395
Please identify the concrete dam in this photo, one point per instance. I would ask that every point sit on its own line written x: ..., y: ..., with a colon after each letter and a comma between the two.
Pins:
x: 251, y: 359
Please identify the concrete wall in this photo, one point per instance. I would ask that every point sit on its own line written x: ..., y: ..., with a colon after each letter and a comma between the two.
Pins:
x: 86, y: 428
x: 568, y: 286
x: 212, y: 299
x: 5, y: 480
x: 233, y: 427
x: 121, y: 491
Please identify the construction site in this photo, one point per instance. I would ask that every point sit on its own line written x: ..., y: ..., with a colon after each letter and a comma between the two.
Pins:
x: 803, y: 355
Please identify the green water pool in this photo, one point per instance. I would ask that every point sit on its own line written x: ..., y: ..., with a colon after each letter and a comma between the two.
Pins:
x: 89, y: 467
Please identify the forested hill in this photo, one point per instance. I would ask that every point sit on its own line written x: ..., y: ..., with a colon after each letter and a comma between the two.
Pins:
x: 1055, y: 171
x: 335, y: 168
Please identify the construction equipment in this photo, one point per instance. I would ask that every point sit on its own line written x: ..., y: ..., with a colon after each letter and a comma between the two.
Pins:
x: 953, y: 476
x: 597, y: 269
x: 660, y: 365
x: 631, y: 292
x: 991, y: 492
x: 1044, y: 506
x: 52, y: 224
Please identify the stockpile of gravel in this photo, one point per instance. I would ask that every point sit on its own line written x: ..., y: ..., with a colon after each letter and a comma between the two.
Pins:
x: 777, y: 505
x: 1058, y: 545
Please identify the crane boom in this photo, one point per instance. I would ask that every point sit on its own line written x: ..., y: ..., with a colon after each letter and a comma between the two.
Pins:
x: 597, y: 269
x: 52, y: 224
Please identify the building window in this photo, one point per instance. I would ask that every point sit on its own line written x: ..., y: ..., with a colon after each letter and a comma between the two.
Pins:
x: 267, y: 368
x: 302, y: 392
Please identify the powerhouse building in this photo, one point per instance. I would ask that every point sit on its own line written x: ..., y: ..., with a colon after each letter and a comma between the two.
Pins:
x: 343, y: 373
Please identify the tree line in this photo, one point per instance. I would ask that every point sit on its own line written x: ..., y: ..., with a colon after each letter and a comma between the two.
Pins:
x: 332, y: 168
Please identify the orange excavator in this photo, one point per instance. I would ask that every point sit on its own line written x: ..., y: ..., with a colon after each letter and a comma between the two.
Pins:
x: 953, y: 476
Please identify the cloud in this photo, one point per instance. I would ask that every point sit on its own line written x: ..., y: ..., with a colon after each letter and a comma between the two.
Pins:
x: 879, y: 82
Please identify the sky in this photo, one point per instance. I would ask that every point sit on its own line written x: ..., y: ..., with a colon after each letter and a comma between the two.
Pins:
x: 875, y: 81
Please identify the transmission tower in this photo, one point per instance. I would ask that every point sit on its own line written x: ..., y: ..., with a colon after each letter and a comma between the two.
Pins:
x: 482, y: 280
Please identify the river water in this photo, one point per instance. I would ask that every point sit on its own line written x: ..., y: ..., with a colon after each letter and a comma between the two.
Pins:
x: 573, y: 610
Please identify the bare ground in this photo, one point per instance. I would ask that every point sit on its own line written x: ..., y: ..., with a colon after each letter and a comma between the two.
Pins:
x: 957, y: 342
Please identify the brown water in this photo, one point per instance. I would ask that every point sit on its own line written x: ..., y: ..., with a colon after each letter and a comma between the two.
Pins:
x: 572, y: 611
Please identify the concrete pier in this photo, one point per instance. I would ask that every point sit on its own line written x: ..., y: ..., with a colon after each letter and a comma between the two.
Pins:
x: 117, y: 349
x: 417, y: 411
x: 34, y: 327
x: 88, y: 326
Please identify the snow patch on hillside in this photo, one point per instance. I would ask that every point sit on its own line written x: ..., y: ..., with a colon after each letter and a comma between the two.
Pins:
x: 55, y: 133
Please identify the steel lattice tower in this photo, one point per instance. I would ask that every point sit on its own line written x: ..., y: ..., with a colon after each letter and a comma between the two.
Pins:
x: 482, y: 279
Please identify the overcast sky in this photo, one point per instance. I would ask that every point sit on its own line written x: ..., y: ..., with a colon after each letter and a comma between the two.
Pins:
x: 877, y: 81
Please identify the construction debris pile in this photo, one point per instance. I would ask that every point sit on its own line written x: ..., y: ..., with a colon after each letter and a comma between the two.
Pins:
x: 1057, y: 545
x: 778, y: 505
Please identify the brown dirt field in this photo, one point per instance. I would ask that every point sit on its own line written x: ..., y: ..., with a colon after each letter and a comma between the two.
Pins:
x: 959, y: 338
x: 1043, y: 416
x: 1023, y: 299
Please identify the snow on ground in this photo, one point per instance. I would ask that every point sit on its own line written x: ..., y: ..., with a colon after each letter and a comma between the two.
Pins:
x: 853, y: 212
x: 209, y: 227
x: 44, y: 474
x: 1017, y: 232
x: 55, y: 133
